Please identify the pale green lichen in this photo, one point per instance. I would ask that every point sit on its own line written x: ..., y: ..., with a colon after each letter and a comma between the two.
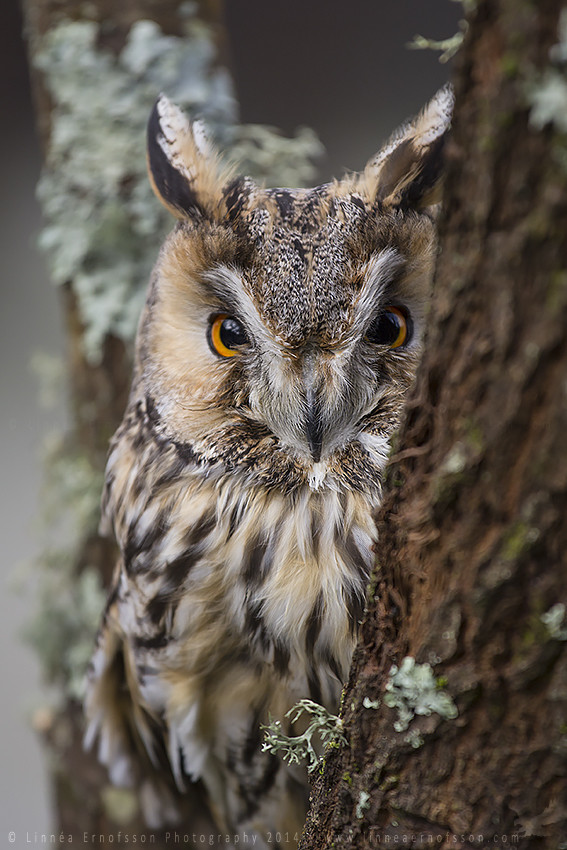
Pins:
x: 448, y: 47
x: 547, y: 91
x: 554, y: 621
x: 69, y: 605
x: 371, y: 703
x: 323, y: 727
x: 274, y: 159
x: 456, y: 460
x: 120, y: 804
x: 71, y: 489
x: 414, y: 739
x: 413, y: 690
x: 63, y: 634
x: 363, y: 804
x: 103, y: 226
x: 453, y: 472
x: 518, y: 539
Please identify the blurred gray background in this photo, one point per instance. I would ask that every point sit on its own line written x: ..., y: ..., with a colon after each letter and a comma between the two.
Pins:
x: 340, y: 67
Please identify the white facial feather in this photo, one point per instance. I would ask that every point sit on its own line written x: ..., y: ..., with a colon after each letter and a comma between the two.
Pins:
x: 177, y: 132
x: 436, y: 117
x: 247, y: 308
x: 379, y: 272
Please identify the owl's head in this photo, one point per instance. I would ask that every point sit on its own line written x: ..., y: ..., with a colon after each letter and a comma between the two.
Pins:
x: 283, y: 326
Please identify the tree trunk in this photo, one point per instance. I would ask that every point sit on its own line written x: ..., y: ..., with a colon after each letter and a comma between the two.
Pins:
x: 471, y: 575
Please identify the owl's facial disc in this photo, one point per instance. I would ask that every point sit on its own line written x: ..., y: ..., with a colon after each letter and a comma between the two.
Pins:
x: 313, y: 384
x: 316, y: 396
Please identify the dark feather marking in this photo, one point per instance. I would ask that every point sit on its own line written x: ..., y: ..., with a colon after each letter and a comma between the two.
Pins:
x: 432, y: 167
x: 172, y: 474
x: 130, y: 550
x: 157, y: 641
x: 158, y: 733
x: 255, y: 625
x: 395, y: 168
x: 158, y: 606
x: 254, y: 737
x: 281, y: 658
x: 202, y: 527
x: 172, y: 185
x: 262, y: 553
x: 136, y: 546
x: 186, y: 452
x: 314, y: 624
x: 314, y: 685
x: 285, y: 202
x: 231, y: 760
x: 150, y: 417
x: 254, y: 788
x: 176, y: 571
x: 235, y: 519
x: 252, y: 572
x: 107, y: 487
x: 316, y: 535
x: 153, y: 534
x: 300, y: 248
x: 151, y: 411
x: 310, y: 221
x: 139, y: 440
x: 358, y: 202
x: 112, y: 597
x: 427, y: 166
x: 136, y: 488
x: 145, y: 669
x: 157, y: 729
x: 333, y: 665
x: 254, y: 770
x: 350, y: 552
x: 236, y: 195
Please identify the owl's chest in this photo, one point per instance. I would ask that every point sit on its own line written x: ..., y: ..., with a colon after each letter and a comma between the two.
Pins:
x: 243, y: 571
x: 284, y: 578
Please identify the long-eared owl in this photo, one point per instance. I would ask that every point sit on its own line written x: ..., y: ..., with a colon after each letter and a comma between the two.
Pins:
x: 281, y: 332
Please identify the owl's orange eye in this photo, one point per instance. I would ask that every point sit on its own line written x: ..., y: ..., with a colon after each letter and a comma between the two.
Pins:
x: 226, y: 335
x: 393, y: 327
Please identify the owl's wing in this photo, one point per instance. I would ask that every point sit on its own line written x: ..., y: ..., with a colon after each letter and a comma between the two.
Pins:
x: 131, y: 740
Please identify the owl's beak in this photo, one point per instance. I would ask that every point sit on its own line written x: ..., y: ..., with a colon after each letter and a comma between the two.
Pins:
x: 314, y: 426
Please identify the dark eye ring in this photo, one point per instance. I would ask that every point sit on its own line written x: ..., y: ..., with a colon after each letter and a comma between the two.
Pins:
x: 392, y: 327
x: 226, y: 335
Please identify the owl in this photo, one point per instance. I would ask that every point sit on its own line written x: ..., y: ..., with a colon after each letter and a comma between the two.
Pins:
x: 281, y: 332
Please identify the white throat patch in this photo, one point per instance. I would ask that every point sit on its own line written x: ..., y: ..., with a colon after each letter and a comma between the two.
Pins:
x: 318, y: 474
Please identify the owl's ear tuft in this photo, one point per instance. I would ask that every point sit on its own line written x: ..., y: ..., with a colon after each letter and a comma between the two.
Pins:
x: 407, y: 172
x: 182, y: 165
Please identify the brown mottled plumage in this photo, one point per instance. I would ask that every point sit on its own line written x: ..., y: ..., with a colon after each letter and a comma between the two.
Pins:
x: 281, y: 332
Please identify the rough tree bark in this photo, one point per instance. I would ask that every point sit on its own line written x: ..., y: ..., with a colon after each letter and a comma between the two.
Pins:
x: 471, y: 565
